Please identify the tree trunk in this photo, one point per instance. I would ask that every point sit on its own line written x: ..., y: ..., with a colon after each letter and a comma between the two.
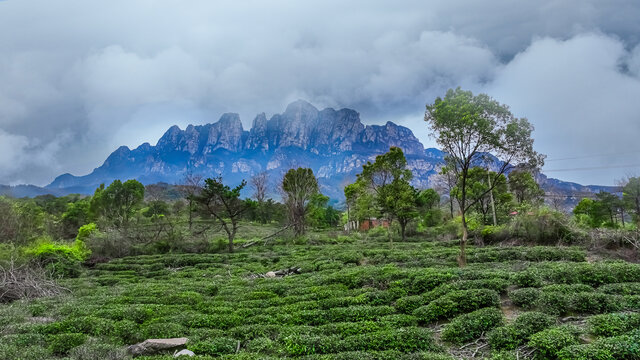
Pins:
x: 462, y: 258
x: 493, y: 206
x: 403, y: 226
x: 190, y: 214
x: 451, y: 205
x: 232, y: 235
x: 622, y: 216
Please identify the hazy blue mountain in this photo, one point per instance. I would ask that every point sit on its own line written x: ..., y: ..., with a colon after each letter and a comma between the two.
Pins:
x: 334, y: 143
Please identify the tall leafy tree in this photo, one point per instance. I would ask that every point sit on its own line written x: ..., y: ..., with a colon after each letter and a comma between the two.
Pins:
x: 524, y: 187
x: 428, y: 202
x: 388, y: 179
x: 631, y: 197
x: 118, y: 202
x: 299, y: 186
x: 466, y: 127
x: 478, y: 193
x: 223, y: 204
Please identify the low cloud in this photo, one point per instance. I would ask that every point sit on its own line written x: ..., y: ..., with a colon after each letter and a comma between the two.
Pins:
x: 75, y: 87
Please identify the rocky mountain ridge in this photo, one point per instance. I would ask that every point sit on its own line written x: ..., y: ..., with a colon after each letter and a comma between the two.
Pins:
x: 334, y: 143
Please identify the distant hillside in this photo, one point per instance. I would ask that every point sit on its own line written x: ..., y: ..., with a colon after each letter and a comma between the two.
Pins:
x: 334, y: 143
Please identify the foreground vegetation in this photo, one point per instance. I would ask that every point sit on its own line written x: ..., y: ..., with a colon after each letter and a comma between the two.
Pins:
x: 357, y: 297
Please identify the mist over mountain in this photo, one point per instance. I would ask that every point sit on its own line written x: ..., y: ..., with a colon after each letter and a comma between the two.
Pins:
x: 334, y: 143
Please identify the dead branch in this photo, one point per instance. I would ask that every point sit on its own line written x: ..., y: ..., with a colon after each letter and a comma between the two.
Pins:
x: 25, y: 282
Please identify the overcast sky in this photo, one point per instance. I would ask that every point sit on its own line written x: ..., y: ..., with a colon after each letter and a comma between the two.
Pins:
x: 79, y: 78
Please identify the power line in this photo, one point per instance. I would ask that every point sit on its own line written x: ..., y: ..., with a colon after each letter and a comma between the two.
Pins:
x: 594, y: 168
x: 593, y: 156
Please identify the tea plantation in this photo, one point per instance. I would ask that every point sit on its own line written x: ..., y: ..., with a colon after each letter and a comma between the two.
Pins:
x: 355, y: 297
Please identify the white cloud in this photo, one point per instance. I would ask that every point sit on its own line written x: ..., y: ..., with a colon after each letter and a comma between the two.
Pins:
x: 104, y: 75
x: 580, y: 100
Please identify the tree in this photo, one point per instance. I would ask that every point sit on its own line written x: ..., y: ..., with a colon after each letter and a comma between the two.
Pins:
x: 259, y: 184
x: 467, y: 127
x: 388, y: 179
x: 524, y: 187
x: 494, y: 203
x: 77, y: 214
x: 223, y: 204
x: 191, y: 187
x: 118, y: 202
x: 428, y: 202
x: 608, y: 206
x: 631, y: 197
x: 8, y: 221
x: 299, y: 187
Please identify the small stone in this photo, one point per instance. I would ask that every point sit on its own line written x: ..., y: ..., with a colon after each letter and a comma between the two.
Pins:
x: 184, y: 352
x: 270, y: 274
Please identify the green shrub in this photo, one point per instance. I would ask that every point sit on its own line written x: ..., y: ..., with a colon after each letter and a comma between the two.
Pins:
x: 567, y: 288
x: 504, y: 337
x: 621, y: 347
x: 613, y: 324
x: 511, y: 336
x: 470, y: 326
x: 408, y: 304
x: 163, y: 330
x: 594, y: 303
x: 528, y: 278
x: 429, y: 280
x: 214, y: 347
x: 555, y: 303
x: 532, y: 322
x: 632, y: 288
x: 61, y: 259
x: 525, y: 297
x: 549, y: 342
x: 584, y: 352
x: 61, y: 344
x: 404, y: 340
x: 456, y: 302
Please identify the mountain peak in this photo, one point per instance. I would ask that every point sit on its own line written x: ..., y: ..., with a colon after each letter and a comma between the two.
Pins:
x: 301, y: 110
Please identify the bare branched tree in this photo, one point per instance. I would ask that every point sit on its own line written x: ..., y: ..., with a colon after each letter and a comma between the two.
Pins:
x: 260, y: 183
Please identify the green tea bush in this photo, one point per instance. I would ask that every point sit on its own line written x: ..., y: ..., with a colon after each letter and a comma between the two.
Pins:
x: 163, y: 330
x: 403, y: 339
x: 613, y: 324
x: 594, y: 303
x: 567, y: 288
x: 517, y: 333
x: 532, y: 322
x: 549, y: 342
x: 631, y: 288
x: 408, y: 304
x: 456, y: 302
x: 617, y: 347
x: 429, y: 280
x: 525, y: 297
x: 584, y: 352
x: 504, y: 337
x: 359, y: 313
x: 61, y: 344
x: 555, y: 303
x: 399, y: 320
x: 214, y: 347
x: 470, y: 326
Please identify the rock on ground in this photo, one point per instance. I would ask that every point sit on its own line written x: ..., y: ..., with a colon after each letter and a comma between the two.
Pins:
x: 152, y: 346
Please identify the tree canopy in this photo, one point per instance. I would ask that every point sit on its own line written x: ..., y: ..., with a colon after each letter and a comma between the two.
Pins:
x: 469, y: 127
